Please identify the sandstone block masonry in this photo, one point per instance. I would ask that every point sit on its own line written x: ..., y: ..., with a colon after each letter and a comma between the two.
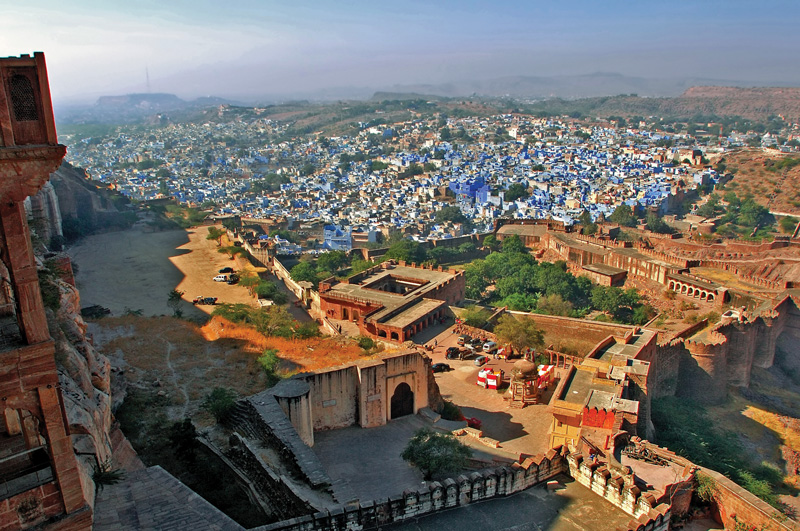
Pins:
x: 701, y: 365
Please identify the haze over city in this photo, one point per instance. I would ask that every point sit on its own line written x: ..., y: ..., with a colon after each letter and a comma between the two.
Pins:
x: 253, y: 50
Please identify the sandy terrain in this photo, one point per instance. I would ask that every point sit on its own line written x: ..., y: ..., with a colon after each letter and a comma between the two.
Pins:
x: 136, y: 270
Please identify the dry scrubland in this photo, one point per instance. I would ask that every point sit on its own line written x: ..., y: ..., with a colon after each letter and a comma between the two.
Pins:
x: 778, y: 190
x: 186, y: 361
x: 179, y: 357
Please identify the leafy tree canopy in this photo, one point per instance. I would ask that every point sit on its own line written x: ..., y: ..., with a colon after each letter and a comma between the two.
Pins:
x: 519, y: 333
x: 435, y: 453
x: 623, y: 215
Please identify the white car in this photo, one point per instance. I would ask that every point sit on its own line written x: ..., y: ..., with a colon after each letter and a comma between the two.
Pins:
x: 221, y: 278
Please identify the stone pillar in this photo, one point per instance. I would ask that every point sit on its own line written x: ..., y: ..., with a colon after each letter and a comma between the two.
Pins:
x: 63, y: 458
x: 22, y: 269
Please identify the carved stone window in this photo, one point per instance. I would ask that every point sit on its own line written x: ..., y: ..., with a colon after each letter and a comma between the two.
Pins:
x: 23, y: 99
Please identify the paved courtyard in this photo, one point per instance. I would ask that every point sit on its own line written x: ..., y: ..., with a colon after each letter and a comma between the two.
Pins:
x: 367, y: 461
x: 521, y: 431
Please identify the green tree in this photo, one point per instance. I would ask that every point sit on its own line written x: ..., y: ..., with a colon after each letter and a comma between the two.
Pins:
x: 519, y: 333
x: 304, y: 271
x: 307, y: 169
x: 554, y: 305
x: 657, y: 225
x: 452, y: 214
x: 491, y: 242
x: 589, y: 226
x: 435, y: 453
x: 219, y: 402
x: 358, y: 265
x: 710, y: 208
x: 788, y: 224
x: 623, y: 215
x: 332, y: 261
x: 475, y: 316
x: 513, y: 244
x: 174, y: 298
x: 232, y: 250
x: 520, y: 302
x: 516, y: 191
x: 268, y: 290
x: 407, y: 250
x: 215, y: 233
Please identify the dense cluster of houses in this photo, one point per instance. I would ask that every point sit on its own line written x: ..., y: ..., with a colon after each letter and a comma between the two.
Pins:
x: 396, y: 178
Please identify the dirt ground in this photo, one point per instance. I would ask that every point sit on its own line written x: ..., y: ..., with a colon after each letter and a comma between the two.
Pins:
x: 136, y: 270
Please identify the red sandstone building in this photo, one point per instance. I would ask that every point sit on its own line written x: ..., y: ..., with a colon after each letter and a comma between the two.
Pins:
x: 39, y: 478
x: 392, y: 301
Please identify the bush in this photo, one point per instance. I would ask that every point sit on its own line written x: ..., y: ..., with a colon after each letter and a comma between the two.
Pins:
x: 269, y: 361
x: 435, y: 453
x: 365, y: 343
x: 219, y: 403
x: 450, y: 411
x: 706, y: 487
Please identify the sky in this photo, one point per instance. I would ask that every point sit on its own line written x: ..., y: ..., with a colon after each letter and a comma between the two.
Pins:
x: 251, y: 48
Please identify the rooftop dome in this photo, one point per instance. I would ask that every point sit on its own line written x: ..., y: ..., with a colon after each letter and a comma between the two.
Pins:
x: 524, y: 370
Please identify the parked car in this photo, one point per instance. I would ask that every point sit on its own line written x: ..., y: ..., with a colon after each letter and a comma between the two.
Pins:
x: 226, y: 270
x: 477, y: 341
x: 204, y: 300
x: 481, y: 360
x: 441, y: 367
x: 453, y: 353
x: 221, y: 278
x: 489, y: 347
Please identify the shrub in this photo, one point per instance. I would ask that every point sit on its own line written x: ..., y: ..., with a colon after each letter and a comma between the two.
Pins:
x: 105, y: 474
x: 219, y: 403
x: 365, y: 343
x: 435, y: 453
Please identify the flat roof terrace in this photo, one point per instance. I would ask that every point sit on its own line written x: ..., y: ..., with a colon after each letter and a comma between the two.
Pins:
x: 604, y: 269
x: 410, y: 314
x: 580, y: 245
x: 633, y: 253
x: 628, y: 350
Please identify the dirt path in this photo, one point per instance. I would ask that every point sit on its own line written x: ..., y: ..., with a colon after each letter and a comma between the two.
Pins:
x: 136, y: 270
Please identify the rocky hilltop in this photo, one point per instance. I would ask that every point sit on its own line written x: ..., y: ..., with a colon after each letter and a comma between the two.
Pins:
x: 754, y: 103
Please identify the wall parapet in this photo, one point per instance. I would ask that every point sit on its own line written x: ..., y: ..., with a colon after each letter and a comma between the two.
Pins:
x: 433, y: 497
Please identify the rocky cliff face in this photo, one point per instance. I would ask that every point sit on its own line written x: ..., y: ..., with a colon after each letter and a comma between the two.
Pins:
x: 84, y: 374
x: 44, y: 208
x: 85, y: 379
x: 85, y: 206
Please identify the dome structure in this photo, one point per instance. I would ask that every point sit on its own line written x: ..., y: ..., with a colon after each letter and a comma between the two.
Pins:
x: 524, y: 370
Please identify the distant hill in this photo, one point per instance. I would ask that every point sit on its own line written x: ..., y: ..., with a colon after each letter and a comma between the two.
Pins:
x: 597, y: 84
x: 128, y: 108
x: 756, y: 104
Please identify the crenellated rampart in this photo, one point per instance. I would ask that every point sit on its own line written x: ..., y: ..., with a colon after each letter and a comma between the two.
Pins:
x: 700, y: 362
x: 434, y: 496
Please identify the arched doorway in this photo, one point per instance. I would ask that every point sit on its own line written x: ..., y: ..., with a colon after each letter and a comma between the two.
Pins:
x: 402, y: 401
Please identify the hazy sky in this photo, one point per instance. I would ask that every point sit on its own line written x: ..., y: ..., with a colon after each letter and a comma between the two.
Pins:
x: 240, y: 48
